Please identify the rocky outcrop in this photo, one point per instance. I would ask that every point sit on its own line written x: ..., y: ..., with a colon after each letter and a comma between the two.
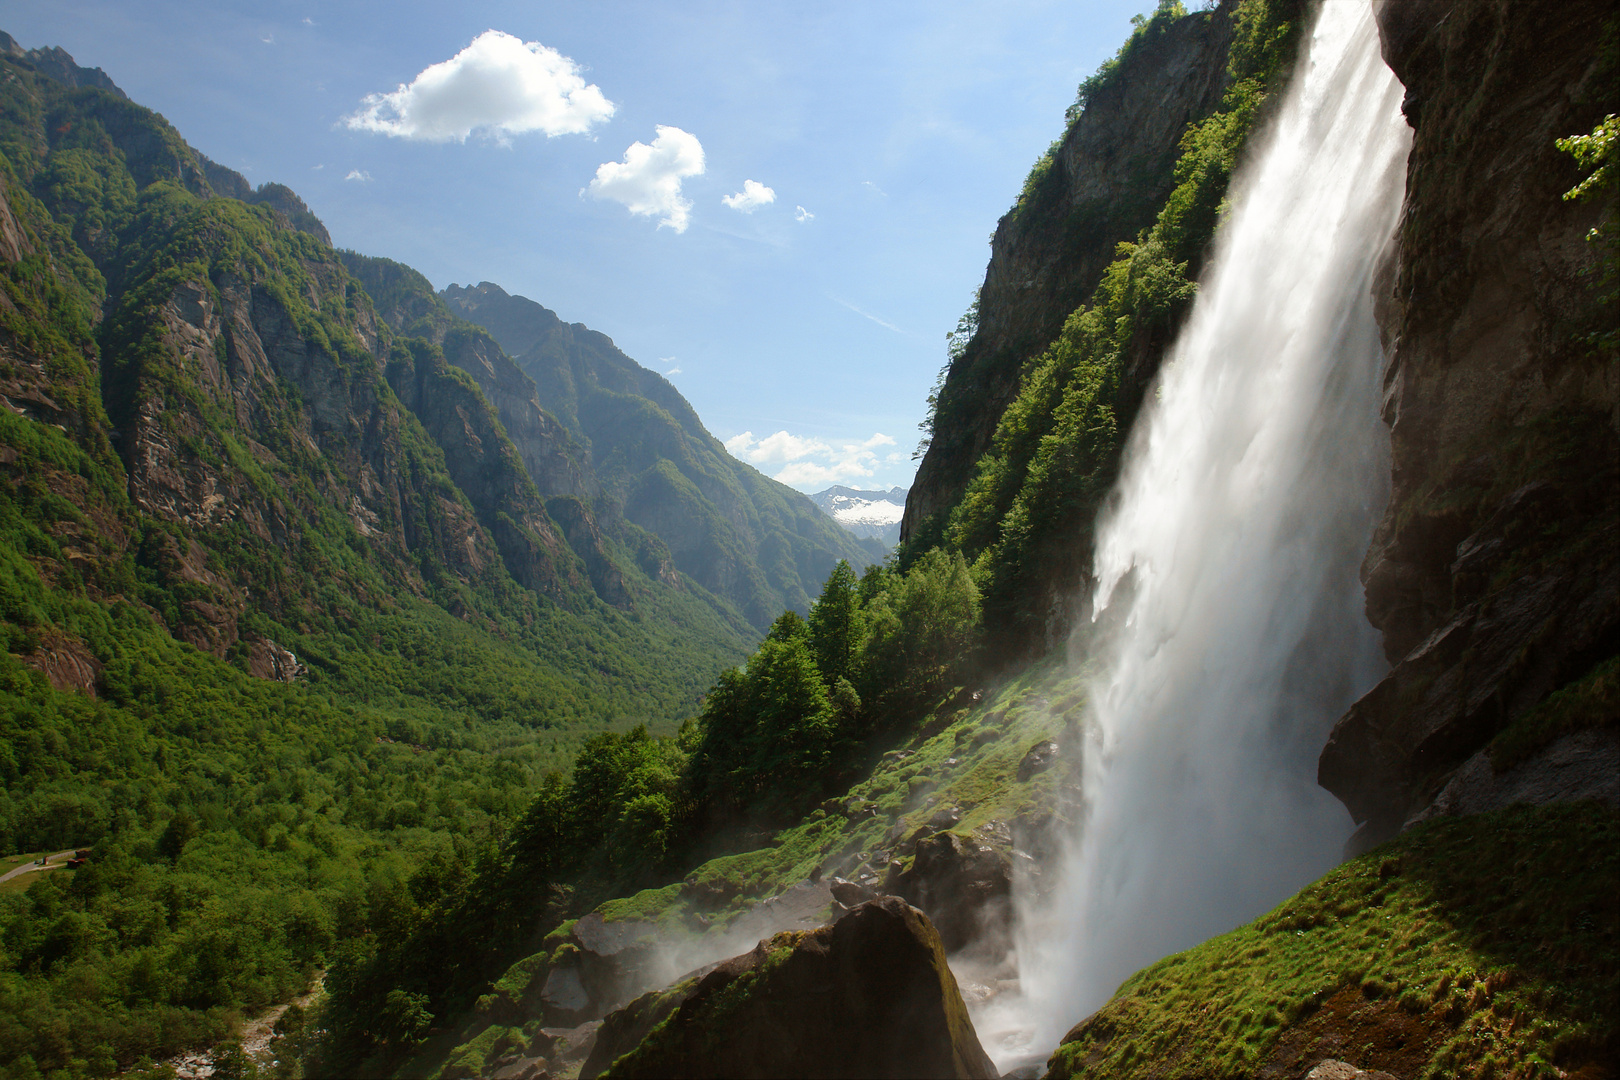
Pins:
x: 868, y: 996
x: 1495, y: 572
x: 55, y: 64
x: 1113, y: 170
x: 965, y: 884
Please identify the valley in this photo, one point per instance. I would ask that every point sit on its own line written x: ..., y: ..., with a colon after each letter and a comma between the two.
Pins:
x: 1233, y: 692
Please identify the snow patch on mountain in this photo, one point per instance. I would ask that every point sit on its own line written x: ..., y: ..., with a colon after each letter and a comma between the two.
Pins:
x: 874, y: 514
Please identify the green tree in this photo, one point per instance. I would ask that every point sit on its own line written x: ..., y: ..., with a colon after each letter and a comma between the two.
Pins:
x: 922, y: 627
x: 835, y: 625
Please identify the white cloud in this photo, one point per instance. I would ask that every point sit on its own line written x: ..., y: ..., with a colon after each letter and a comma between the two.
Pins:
x: 810, y: 462
x: 308, y: 21
x: 874, y: 187
x: 648, y: 180
x: 268, y: 39
x: 317, y: 168
x: 499, y: 85
x: 801, y: 215
x: 358, y: 174
x: 673, y: 371
x: 753, y: 196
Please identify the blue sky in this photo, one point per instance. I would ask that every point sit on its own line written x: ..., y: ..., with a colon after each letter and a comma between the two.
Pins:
x: 891, y: 138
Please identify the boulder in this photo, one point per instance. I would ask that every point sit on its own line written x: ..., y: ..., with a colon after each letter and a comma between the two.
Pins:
x: 1331, y: 1069
x: 1042, y: 756
x: 965, y: 886
x: 869, y: 996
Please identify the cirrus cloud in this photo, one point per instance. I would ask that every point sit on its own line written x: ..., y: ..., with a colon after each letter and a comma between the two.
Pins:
x: 648, y: 180
x: 810, y: 462
x: 753, y: 196
x: 500, y: 85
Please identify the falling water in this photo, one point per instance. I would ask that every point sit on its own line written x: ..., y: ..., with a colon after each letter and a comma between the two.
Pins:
x: 1247, y: 499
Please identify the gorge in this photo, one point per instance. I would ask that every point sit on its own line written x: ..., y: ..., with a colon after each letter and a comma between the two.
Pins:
x: 1240, y: 700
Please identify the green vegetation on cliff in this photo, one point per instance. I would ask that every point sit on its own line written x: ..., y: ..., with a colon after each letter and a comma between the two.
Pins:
x: 1025, y: 517
x: 635, y: 811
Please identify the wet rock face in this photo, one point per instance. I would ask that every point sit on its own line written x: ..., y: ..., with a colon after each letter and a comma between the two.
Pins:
x: 869, y: 996
x: 1493, y: 573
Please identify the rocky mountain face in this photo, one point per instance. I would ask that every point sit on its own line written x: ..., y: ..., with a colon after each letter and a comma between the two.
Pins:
x: 233, y: 422
x: 1107, y: 178
x: 874, y: 515
x: 1495, y: 572
x: 738, y: 533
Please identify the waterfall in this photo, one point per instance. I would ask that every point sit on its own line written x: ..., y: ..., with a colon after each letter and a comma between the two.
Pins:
x: 1249, y: 491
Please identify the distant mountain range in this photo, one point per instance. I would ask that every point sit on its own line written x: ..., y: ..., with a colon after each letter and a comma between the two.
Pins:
x: 873, y: 515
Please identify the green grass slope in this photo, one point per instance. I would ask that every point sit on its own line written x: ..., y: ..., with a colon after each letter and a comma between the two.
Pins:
x: 1484, y: 946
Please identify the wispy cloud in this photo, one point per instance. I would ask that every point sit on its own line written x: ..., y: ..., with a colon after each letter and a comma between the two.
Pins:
x: 865, y: 314
x: 753, y: 196
x: 499, y: 85
x: 874, y: 187
x: 801, y: 215
x: 648, y: 180
x: 808, y: 461
x: 360, y: 175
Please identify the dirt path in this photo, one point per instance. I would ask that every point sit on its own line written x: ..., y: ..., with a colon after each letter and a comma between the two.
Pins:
x: 254, y: 1035
x: 51, y: 862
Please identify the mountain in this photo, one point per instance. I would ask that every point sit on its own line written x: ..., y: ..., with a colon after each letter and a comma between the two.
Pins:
x: 741, y: 535
x: 1477, y: 935
x: 871, y: 514
x: 285, y: 604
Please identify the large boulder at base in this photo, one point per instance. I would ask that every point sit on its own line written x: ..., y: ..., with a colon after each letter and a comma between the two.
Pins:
x: 868, y: 996
x: 964, y: 883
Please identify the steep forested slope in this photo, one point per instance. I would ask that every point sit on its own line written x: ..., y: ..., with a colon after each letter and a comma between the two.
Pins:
x: 742, y: 535
x: 276, y: 587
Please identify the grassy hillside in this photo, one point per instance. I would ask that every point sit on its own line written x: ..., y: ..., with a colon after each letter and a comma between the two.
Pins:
x: 1486, y: 946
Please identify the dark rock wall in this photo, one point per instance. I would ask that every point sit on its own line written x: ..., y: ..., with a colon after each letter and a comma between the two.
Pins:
x: 1495, y: 572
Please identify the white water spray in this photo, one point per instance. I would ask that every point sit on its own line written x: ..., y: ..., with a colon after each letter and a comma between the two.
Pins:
x: 1247, y: 499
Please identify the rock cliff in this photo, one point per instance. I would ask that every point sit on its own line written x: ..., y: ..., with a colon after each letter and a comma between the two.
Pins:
x: 219, y: 424
x: 1495, y: 572
x: 1109, y: 175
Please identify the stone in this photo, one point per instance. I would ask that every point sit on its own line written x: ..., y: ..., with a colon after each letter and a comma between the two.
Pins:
x: 1040, y: 757
x: 851, y: 894
x: 1343, y: 1070
x: 965, y: 886
x: 869, y: 996
x: 1582, y: 765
